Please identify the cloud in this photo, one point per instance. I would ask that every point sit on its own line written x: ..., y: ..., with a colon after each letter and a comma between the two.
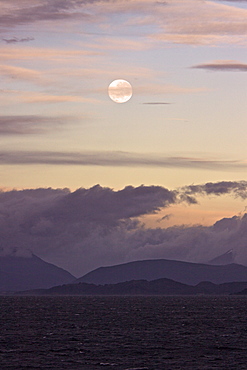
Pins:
x: 20, y: 73
x: 63, y: 68
x: 26, y: 125
x: 204, y: 40
x: 118, y: 158
x: 14, y: 40
x: 237, y: 188
x: 192, y: 243
x: 53, y: 99
x: 21, y: 12
x: 234, y: 1
x: 157, y: 88
x: 57, y: 223
x: 216, y: 23
x: 156, y: 103
x: 46, y: 54
x: 88, y: 228
x: 11, y: 97
x: 118, y: 43
x: 166, y: 217
x: 173, y: 21
x: 223, y: 65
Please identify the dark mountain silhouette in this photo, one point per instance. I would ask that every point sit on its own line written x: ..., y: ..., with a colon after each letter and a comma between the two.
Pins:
x: 223, y: 259
x: 242, y: 292
x: 142, y: 287
x: 183, y: 272
x: 22, y: 273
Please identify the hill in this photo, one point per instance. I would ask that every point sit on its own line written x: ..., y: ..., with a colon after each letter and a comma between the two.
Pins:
x: 183, y: 272
x: 161, y: 287
x: 22, y: 273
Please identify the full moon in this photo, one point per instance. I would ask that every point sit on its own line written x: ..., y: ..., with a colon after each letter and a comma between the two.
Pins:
x: 120, y: 91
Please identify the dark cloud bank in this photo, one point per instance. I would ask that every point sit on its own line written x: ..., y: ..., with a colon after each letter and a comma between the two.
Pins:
x: 88, y: 228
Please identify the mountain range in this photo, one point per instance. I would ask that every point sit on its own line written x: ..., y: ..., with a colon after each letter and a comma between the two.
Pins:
x: 30, y: 273
x: 183, y: 272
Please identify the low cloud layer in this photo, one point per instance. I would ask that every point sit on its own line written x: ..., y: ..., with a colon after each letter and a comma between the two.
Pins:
x: 88, y: 228
x: 61, y: 225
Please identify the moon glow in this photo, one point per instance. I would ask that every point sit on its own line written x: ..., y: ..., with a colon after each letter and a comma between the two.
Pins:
x: 120, y: 91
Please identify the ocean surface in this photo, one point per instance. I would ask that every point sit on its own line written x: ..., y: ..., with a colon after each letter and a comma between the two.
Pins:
x: 144, y: 333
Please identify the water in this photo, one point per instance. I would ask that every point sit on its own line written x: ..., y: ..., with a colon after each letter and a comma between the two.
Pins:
x: 147, y: 333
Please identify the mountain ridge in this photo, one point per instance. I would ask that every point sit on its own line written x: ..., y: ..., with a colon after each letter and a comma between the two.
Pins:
x: 180, y: 271
x: 159, y: 287
x: 23, y: 273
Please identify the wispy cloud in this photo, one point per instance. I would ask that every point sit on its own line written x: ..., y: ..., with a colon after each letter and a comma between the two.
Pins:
x: 21, y: 12
x: 237, y: 188
x: 118, y: 158
x: 164, y: 218
x: 20, y: 73
x: 47, y: 54
x: 117, y: 43
x: 223, y: 65
x: 158, y: 88
x: 15, y: 40
x: 10, y: 97
x: 109, y: 71
x: 26, y: 125
x: 156, y: 103
x: 234, y: 1
x: 53, y: 99
x: 216, y: 23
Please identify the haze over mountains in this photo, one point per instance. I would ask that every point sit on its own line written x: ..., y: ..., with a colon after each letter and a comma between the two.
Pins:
x: 224, y: 259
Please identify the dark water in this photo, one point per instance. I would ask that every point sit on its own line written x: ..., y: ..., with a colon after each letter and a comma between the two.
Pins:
x: 123, y: 333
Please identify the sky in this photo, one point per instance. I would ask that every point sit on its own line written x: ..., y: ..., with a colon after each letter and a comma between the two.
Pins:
x: 155, y: 176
